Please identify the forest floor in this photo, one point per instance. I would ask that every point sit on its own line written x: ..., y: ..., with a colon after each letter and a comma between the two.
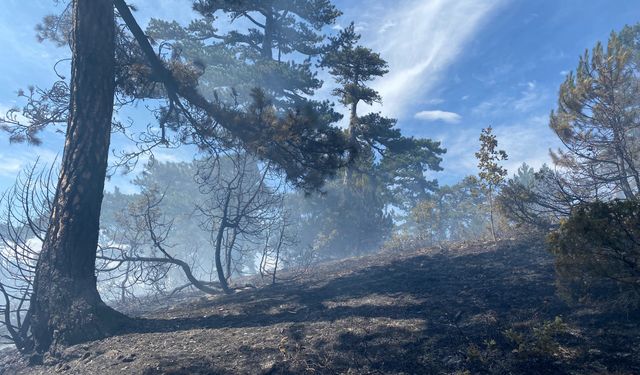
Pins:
x: 467, y: 309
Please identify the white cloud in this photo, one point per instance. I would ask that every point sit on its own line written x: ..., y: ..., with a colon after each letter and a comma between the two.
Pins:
x: 422, y: 39
x: 18, y: 157
x: 531, y: 97
x: 9, y: 166
x: 492, y: 77
x: 360, y: 27
x: 437, y: 115
x: 170, y: 156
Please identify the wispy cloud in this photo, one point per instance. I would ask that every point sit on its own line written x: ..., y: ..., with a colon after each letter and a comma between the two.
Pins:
x: 531, y: 98
x: 386, y: 26
x: 527, y: 141
x: 437, y: 115
x: 492, y: 76
x: 19, y: 157
x: 168, y: 10
x: 10, y: 166
x: 421, y: 39
x: 434, y: 101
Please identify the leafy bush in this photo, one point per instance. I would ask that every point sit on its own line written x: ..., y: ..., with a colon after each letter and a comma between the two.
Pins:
x: 597, y: 253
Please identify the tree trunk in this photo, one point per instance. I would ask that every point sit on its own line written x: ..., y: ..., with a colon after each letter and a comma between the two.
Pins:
x: 218, y: 257
x: 267, y: 42
x: 228, y: 252
x: 123, y: 284
x: 493, y: 230
x: 353, y: 123
x: 66, y: 306
x: 280, y: 240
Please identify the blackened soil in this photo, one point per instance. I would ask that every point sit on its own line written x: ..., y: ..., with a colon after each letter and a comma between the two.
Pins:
x: 466, y: 309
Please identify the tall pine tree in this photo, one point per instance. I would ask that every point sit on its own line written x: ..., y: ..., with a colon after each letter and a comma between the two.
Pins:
x: 387, y: 167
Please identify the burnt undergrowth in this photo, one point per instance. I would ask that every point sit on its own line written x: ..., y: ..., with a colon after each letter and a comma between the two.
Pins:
x: 478, y: 308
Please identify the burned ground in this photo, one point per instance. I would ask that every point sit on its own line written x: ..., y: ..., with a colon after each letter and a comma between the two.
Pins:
x: 470, y: 309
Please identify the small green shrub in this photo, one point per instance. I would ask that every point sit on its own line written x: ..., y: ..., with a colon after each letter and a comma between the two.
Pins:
x: 540, y: 342
x: 597, y: 253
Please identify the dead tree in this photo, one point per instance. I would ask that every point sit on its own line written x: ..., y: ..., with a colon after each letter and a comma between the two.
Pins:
x: 244, y: 207
x: 24, y: 217
x: 142, y: 253
x: 135, y: 255
x: 279, y: 246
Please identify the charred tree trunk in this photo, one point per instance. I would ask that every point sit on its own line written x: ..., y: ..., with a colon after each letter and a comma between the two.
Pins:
x: 218, y: 257
x: 66, y: 307
x: 224, y: 224
x: 229, y: 252
x: 279, y: 246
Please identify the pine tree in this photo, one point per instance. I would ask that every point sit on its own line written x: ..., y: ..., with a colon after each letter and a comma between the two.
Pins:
x: 65, y: 305
x: 353, y: 67
x: 274, y: 52
x: 398, y: 163
x: 387, y: 168
x: 597, y: 121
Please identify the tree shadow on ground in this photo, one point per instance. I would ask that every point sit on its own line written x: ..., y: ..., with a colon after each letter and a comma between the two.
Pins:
x: 421, y: 313
x: 417, y: 287
x: 418, y: 314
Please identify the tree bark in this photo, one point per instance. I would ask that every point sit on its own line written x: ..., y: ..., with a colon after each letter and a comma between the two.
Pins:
x: 267, y: 42
x: 66, y: 307
x: 218, y: 257
x: 353, y: 123
x: 228, y: 252
x: 493, y: 229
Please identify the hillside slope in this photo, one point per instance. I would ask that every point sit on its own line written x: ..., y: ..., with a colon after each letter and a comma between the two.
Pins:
x: 465, y: 310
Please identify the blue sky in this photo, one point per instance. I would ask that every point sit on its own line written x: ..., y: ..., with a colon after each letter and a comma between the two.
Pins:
x: 456, y: 66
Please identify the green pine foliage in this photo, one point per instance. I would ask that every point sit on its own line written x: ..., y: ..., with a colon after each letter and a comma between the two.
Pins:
x: 597, y: 122
x: 387, y: 170
x: 269, y: 45
x: 590, y: 196
x: 597, y: 253
x: 452, y: 213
